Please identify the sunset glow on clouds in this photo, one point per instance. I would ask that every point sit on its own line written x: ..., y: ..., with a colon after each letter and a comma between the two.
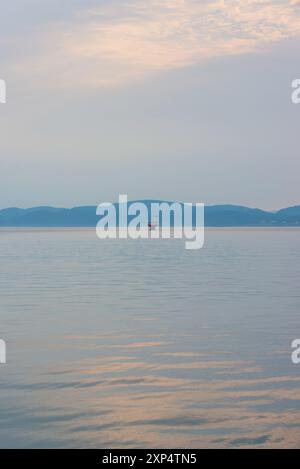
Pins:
x: 116, y: 43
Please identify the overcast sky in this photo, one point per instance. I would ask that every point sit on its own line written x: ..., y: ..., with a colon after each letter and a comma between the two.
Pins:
x: 177, y: 99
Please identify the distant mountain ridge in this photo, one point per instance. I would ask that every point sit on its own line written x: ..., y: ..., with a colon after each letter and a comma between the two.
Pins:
x: 85, y: 216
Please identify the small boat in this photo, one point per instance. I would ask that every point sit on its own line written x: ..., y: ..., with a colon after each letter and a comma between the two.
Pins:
x: 151, y: 226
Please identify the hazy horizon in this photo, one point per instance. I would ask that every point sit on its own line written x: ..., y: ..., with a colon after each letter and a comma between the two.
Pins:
x: 141, y: 200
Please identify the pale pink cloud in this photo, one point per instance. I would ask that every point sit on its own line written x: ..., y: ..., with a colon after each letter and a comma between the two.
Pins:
x: 113, y: 44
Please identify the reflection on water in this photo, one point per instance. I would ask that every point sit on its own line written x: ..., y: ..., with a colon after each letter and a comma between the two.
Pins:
x: 144, y: 344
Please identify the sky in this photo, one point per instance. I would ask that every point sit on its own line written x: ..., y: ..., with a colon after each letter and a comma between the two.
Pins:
x: 169, y: 99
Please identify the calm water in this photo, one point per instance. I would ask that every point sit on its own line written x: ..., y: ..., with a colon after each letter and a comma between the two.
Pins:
x: 145, y: 344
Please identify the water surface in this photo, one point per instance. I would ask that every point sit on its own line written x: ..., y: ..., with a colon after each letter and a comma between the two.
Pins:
x: 145, y: 344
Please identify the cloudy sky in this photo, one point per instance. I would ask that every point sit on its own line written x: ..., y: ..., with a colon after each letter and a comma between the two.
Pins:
x: 176, y: 99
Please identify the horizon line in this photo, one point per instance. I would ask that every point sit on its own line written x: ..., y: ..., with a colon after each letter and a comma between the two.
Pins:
x: 147, y: 200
